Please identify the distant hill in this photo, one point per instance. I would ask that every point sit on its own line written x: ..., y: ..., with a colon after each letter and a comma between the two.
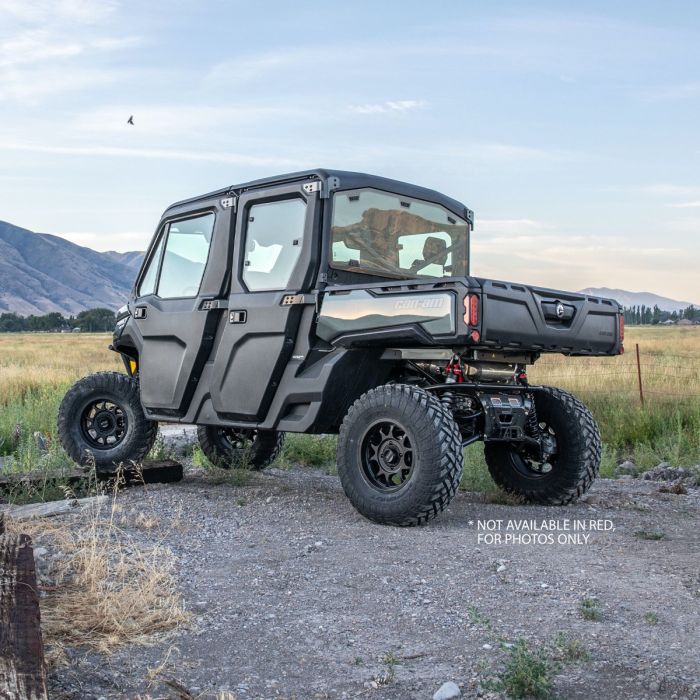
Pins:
x: 40, y: 273
x: 131, y: 259
x: 637, y: 298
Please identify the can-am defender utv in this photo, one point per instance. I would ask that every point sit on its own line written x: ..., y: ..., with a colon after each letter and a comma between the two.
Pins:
x: 339, y: 302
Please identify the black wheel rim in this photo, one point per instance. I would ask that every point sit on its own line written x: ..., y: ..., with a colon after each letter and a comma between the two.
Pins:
x: 387, y: 456
x: 532, y: 467
x: 104, y: 424
x: 237, y: 440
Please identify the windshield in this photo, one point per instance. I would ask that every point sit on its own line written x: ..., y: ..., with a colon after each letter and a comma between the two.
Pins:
x: 393, y: 236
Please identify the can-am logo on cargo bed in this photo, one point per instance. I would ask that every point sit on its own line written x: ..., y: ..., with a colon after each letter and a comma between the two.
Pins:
x: 419, y: 303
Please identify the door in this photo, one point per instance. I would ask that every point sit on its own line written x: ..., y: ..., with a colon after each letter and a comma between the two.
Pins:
x: 174, y: 311
x: 275, y: 257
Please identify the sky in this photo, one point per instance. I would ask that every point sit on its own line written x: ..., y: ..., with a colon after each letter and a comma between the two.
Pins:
x: 571, y: 129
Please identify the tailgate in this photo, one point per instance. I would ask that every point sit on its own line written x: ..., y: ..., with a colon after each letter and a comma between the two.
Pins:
x: 548, y: 320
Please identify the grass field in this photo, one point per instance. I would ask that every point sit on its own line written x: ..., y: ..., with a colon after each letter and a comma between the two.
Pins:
x: 36, y: 369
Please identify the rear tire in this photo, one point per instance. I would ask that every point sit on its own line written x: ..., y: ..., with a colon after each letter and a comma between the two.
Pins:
x: 101, y: 422
x: 571, y: 470
x: 399, y: 455
x: 234, y: 447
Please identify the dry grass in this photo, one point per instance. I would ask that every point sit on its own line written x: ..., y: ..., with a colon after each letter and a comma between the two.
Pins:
x: 108, y: 589
x: 34, y: 361
x: 37, y: 368
x: 670, y: 364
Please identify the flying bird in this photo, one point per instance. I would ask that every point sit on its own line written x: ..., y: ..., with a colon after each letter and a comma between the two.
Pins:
x: 130, y: 120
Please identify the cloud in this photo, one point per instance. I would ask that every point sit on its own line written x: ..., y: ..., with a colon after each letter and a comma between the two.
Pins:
x: 177, y: 119
x: 154, y: 154
x: 36, y: 46
x: 510, y: 226
x: 51, y: 11
x: 665, y: 189
x: 570, y: 261
x: 31, y: 85
x: 121, y: 241
x: 389, y: 107
x: 50, y: 47
x: 685, y: 205
x: 251, y: 67
x: 678, y: 91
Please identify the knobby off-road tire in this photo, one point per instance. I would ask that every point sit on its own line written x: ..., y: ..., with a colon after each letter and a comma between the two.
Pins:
x: 399, y: 455
x: 101, y: 421
x: 573, y: 468
x: 232, y: 447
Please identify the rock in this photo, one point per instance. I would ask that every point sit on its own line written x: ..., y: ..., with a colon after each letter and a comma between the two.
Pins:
x: 665, y: 472
x: 500, y: 568
x: 677, y: 487
x: 447, y: 691
x: 40, y: 552
x: 627, y: 467
x: 654, y: 686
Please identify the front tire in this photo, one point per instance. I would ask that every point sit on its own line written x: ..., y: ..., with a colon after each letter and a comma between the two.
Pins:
x: 234, y: 447
x: 101, y: 422
x: 399, y: 455
x: 569, y: 471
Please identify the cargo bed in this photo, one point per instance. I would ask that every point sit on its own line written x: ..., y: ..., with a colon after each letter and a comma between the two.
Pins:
x: 521, y: 317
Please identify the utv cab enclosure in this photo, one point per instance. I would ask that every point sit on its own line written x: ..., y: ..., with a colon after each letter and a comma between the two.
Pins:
x: 340, y: 302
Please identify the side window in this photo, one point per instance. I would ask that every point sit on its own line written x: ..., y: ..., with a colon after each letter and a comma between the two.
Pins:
x: 148, y: 281
x: 185, y: 256
x: 273, y: 241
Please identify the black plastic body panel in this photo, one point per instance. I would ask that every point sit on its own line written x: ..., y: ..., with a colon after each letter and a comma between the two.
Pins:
x: 520, y: 317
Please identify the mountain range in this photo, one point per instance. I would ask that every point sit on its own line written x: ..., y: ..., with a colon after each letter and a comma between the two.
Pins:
x: 41, y: 273
x: 628, y: 299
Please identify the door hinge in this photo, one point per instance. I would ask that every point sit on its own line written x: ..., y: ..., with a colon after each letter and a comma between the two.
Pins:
x: 310, y: 187
x: 324, y: 189
x: 291, y: 299
x: 229, y: 203
x: 209, y: 304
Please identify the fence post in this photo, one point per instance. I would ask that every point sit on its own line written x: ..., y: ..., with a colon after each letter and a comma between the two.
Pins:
x: 639, y: 375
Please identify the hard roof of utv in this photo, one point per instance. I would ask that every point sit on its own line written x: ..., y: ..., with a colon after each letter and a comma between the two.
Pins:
x: 346, y: 181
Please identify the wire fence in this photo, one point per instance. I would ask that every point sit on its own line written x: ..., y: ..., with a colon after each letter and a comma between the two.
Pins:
x: 641, y: 374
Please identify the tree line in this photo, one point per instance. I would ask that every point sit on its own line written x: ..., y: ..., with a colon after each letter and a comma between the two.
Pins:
x: 90, y: 321
x: 651, y: 315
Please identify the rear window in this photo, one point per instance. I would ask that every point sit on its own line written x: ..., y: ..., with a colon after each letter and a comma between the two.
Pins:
x: 388, y: 235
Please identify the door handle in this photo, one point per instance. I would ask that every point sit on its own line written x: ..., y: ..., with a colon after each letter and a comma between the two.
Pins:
x: 238, y: 316
x: 140, y: 312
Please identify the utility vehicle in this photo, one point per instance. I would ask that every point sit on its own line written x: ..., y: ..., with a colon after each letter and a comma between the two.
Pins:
x: 339, y: 302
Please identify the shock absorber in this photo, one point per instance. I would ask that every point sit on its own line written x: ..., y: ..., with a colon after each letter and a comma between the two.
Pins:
x: 533, y: 424
x: 454, y: 375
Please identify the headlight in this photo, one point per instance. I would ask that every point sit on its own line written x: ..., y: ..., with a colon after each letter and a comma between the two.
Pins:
x: 121, y: 323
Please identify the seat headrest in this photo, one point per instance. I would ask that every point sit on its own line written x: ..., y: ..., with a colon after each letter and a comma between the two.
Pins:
x: 435, y: 250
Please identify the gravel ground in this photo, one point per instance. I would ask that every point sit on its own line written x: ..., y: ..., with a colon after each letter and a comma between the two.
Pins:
x: 295, y: 595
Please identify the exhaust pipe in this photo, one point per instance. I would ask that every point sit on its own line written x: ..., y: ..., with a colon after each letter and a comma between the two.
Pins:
x: 491, y: 371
